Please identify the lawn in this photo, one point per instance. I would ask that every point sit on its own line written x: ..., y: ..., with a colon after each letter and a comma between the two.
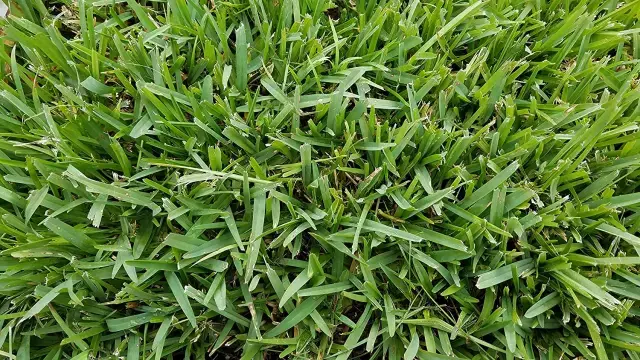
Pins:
x: 316, y: 179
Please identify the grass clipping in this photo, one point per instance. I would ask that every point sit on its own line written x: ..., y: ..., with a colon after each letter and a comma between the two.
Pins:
x: 377, y: 180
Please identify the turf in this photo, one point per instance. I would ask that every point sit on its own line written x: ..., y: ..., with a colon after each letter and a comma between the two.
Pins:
x: 203, y: 179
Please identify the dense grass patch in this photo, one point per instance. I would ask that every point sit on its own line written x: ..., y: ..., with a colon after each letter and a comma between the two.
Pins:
x: 203, y: 179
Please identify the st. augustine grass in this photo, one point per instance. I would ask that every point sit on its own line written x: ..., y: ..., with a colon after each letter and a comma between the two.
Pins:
x: 206, y: 179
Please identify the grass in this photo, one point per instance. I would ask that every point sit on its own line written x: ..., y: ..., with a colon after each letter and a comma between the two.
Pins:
x: 203, y: 179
